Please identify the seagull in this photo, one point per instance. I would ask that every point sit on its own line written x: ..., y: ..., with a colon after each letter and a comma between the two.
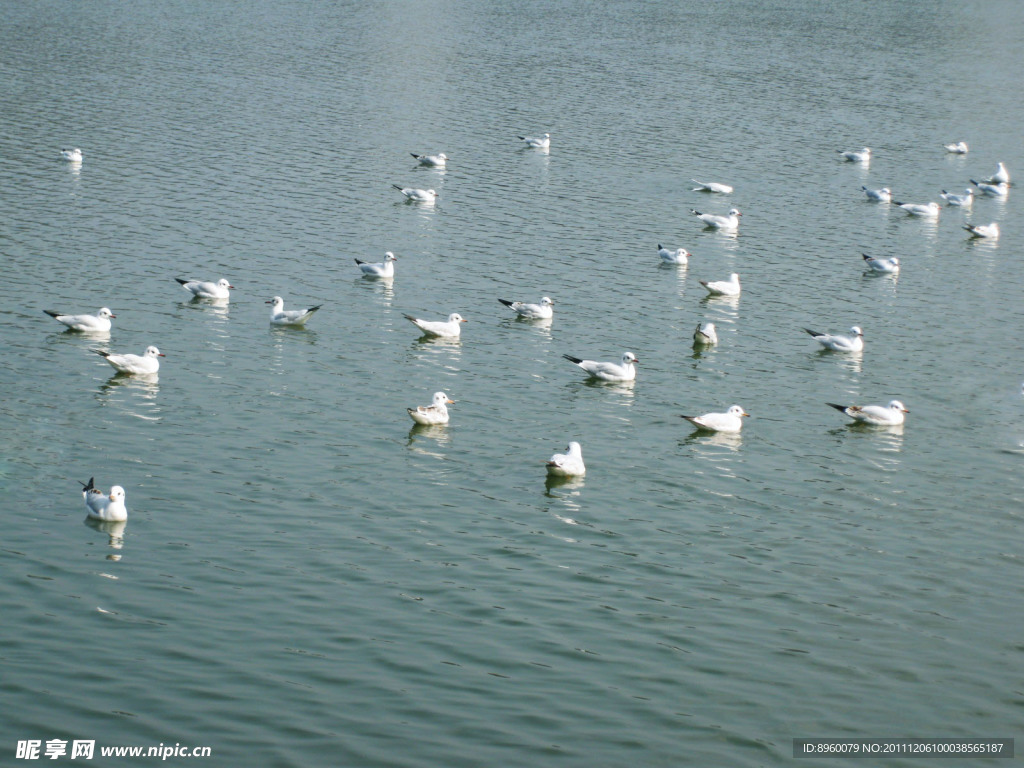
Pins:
x: 280, y: 316
x: 957, y: 148
x: 450, y: 328
x: 541, y: 311
x: 889, y: 415
x: 705, y: 334
x: 200, y: 290
x: 432, y: 161
x: 856, y: 156
x: 625, y: 371
x: 730, y: 287
x: 881, y: 265
x: 417, y: 195
x: 435, y: 413
x: 568, y: 464
x: 837, y: 343
x: 678, y: 256
x: 98, y: 323
x: 537, y: 142
x: 380, y: 269
x: 730, y: 421
x: 74, y: 155
x: 964, y: 201
x: 141, y: 365
x: 1001, y: 176
x: 998, y: 189
x: 711, y: 186
x: 920, y: 209
x: 983, y: 230
x: 103, y: 507
x: 730, y: 223
x: 883, y: 195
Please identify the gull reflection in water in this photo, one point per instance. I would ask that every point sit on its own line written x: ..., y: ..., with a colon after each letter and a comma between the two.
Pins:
x: 565, y: 491
x: 424, y: 437
x: 114, y: 531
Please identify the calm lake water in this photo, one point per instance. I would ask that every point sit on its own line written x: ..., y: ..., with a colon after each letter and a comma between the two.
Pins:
x: 307, y: 580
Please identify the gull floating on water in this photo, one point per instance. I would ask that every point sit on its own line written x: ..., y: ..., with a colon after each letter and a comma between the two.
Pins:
x: 100, y: 322
x: 385, y: 268
x: 72, y: 154
x: 202, y: 290
x: 281, y: 316
x: 730, y: 421
x: 541, y: 311
x: 837, y: 343
x: 883, y: 195
x: 450, y: 328
x: 537, y: 142
x: 1001, y: 176
x: 624, y: 371
x: 678, y: 256
x: 730, y: 287
x: 856, y: 155
x: 890, y: 415
x: 731, y: 222
x: 414, y: 195
x: 957, y: 148
x: 102, y: 506
x: 141, y: 365
x: 568, y: 464
x: 705, y: 334
x: 435, y: 413
x: 964, y: 201
x: 931, y: 209
x: 711, y: 186
x: 999, y: 189
x: 432, y: 161
x: 983, y: 230
x: 881, y: 265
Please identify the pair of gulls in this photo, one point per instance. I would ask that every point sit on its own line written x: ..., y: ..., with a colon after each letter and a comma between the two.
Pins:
x: 452, y: 327
x: 146, y: 363
x: 890, y: 415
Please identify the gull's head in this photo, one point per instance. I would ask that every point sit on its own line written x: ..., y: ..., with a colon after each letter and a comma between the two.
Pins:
x: 440, y: 398
x: 896, y: 405
x: 856, y: 330
x: 546, y: 301
x: 574, y: 449
x: 734, y: 212
x: 443, y: 156
x: 105, y: 312
x: 736, y: 410
x: 222, y: 283
x: 628, y: 358
x: 153, y: 352
x: 116, y: 493
x: 455, y: 317
x: 389, y: 256
x: 886, y: 191
x: 735, y: 278
x: 432, y: 193
x: 277, y: 301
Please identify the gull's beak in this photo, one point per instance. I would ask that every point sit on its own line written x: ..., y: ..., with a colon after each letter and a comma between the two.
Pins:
x: 231, y: 287
x: 905, y: 410
x: 450, y: 401
x: 112, y: 314
x: 462, y: 320
x: 111, y: 497
x: 161, y: 355
x: 745, y: 413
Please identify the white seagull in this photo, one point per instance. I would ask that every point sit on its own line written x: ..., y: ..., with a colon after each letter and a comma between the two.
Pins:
x: 435, y: 413
x: 542, y: 311
x: 450, y: 328
x: 74, y: 155
x: 856, y: 156
x: 711, y: 186
x: 998, y: 189
x: 705, y: 334
x: 890, y: 415
x: 730, y: 223
x: 202, y: 290
x: 432, y: 161
x: 730, y: 287
x: 1001, y: 176
x: 413, y: 195
x: 964, y: 201
x: 983, y: 230
x: 881, y: 265
x: 102, y: 506
x: 537, y: 142
x: 98, y: 323
x: 678, y: 256
x: 883, y: 195
x: 730, y: 421
x: 624, y: 371
x: 837, y: 343
x: 281, y: 316
x: 385, y: 268
x: 930, y: 209
x: 957, y: 148
x: 568, y: 464
x: 140, y: 365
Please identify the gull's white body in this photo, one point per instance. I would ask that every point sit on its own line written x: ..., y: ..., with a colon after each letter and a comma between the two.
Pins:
x: 385, y: 268
x: 435, y: 413
x: 729, y: 223
x: 432, y: 161
x: 881, y: 265
x: 730, y: 421
x: 957, y: 148
x: 983, y: 230
x: 852, y: 343
x: 929, y: 210
x: 98, y: 323
x: 624, y: 371
x: 730, y: 287
x: 705, y: 334
x: 73, y: 155
x: 281, y: 316
x: 100, y: 506
x: 711, y: 186
x: 203, y: 290
x: 964, y: 201
x: 883, y: 195
x: 568, y: 464
x: 1001, y: 176
x: 997, y: 189
x: 450, y: 328
x: 890, y: 415
x: 138, y: 365
x: 414, y: 195
x: 542, y: 311
x: 537, y: 142
x: 856, y: 155
x: 678, y: 256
